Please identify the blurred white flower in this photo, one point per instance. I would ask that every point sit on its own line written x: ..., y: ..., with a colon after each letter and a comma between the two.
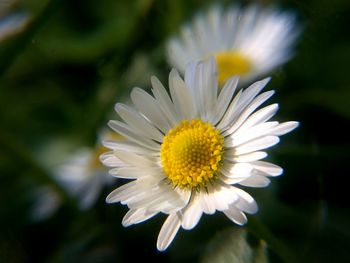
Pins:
x: 83, y: 176
x: 11, y: 22
x: 247, y: 41
x: 80, y: 174
x: 46, y: 202
x: 185, y: 151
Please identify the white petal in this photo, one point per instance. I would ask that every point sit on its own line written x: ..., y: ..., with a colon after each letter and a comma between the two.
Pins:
x: 260, y: 116
x: 181, y: 96
x: 142, y: 188
x: 234, y: 125
x: 268, y: 168
x: 110, y: 160
x: 230, y: 180
x: 164, y: 101
x: 190, y: 75
x: 183, y: 197
x: 223, y: 196
x: 135, y: 159
x: 149, y: 195
x: 117, y: 194
x: 192, y: 213
x: 240, y: 137
x: 255, y: 181
x: 168, y: 231
x: 234, y: 173
x: 129, y: 133
x: 175, y: 202
x: 138, y: 123
x: 249, y: 157
x: 11, y: 23
x: 245, y: 202
x: 207, y: 203
x: 251, y: 92
x: 225, y: 97
x: 197, y: 90
x: 136, y: 216
x: 237, y: 169
x: 284, y: 128
x: 235, y: 215
x: 158, y: 199
x: 91, y: 190
x: 129, y: 147
x: 149, y: 107
x: 136, y: 172
x: 179, y: 61
x: 46, y: 202
x: 209, y: 87
x: 258, y: 144
x: 231, y: 113
x: 215, y: 193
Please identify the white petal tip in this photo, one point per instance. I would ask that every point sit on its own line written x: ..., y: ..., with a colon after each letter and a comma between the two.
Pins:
x: 265, y: 80
x: 254, y: 209
x: 109, y: 200
x: 279, y: 173
x: 126, y: 224
x: 118, y: 106
x: 161, y: 245
x: 173, y: 73
x: 293, y: 125
x: 188, y: 225
x: 160, y: 248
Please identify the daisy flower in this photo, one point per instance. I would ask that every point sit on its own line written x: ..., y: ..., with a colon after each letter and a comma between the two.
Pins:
x: 247, y: 41
x: 189, y: 153
x: 81, y: 174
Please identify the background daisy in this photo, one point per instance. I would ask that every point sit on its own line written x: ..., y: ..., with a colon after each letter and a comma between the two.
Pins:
x: 186, y: 151
x: 248, y: 41
x: 80, y: 174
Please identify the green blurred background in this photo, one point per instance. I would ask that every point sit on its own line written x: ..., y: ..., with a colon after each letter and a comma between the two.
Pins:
x: 59, y: 80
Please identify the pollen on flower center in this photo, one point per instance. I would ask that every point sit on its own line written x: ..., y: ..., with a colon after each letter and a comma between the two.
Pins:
x: 231, y: 63
x: 191, y: 153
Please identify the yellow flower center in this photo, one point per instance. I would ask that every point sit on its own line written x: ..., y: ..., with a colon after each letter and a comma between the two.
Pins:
x: 191, y: 153
x: 230, y: 64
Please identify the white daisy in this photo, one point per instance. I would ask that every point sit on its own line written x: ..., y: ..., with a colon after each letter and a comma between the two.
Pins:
x: 81, y: 174
x: 248, y: 42
x: 188, y: 153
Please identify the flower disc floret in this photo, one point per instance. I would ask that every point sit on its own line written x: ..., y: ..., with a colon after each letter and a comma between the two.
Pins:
x: 191, y: 153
